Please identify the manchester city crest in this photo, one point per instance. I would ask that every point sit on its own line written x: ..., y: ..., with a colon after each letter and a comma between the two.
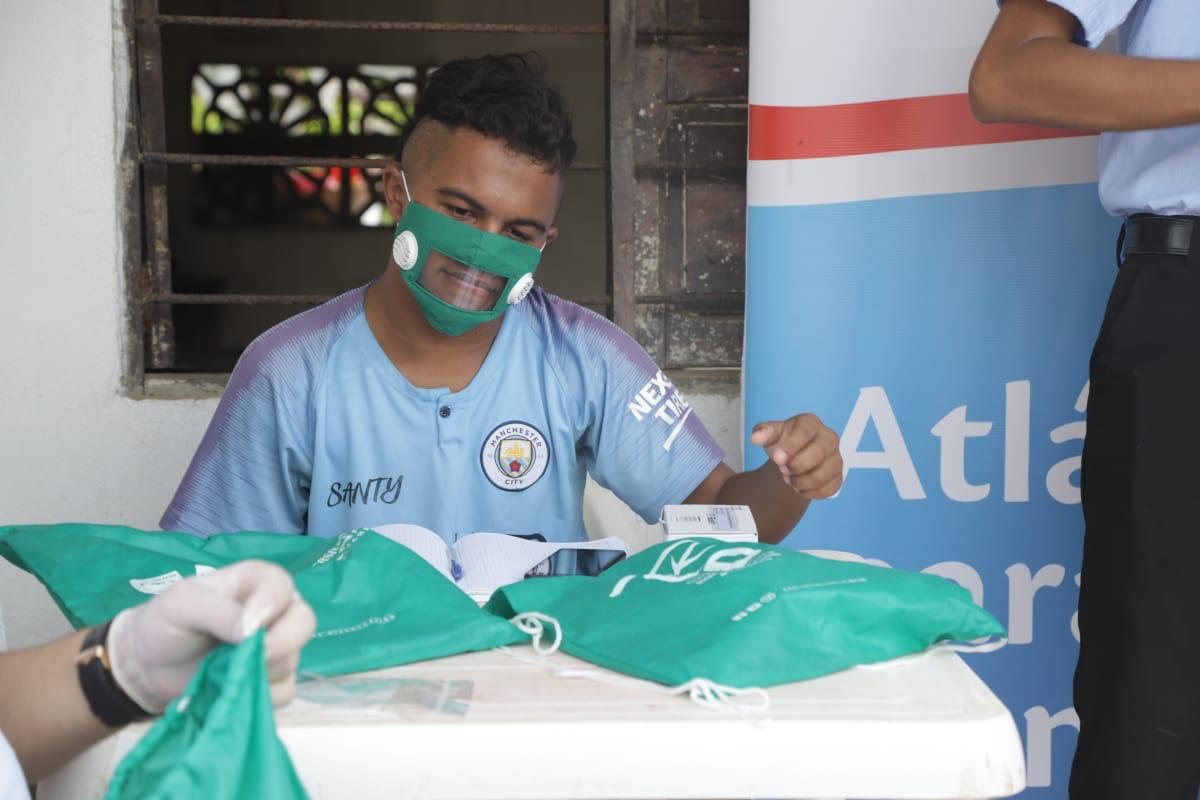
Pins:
x: 515, y: 456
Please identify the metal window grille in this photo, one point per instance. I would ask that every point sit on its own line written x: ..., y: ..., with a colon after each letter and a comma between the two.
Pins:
x: 147, y: 157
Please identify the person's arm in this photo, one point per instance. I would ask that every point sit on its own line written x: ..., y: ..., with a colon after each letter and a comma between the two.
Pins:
x: 803, y: 464
x: 44, y: 714
x: 1030, y: 71
x: 154, y: 650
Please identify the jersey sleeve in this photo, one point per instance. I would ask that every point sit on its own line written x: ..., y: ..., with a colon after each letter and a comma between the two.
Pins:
x: 638, y: 435
x: 253, y: 468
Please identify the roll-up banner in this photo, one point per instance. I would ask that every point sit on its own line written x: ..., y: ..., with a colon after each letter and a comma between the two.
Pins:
x: 930, y: 287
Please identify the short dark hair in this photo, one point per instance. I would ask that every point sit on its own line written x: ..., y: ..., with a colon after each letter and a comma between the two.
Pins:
x: 504, y: 97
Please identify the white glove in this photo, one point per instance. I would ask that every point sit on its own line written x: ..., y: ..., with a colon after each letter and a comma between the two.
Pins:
x: 156, y: 648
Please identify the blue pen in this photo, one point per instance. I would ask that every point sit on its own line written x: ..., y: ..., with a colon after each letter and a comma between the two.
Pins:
x: 456, y: 570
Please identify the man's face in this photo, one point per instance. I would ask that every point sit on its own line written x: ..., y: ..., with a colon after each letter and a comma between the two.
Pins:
x: 480, y: 182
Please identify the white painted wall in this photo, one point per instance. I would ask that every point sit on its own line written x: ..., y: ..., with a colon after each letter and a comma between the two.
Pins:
x: 72, y: 446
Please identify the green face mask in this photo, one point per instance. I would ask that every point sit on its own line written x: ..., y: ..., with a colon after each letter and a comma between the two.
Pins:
x: 460, y: 275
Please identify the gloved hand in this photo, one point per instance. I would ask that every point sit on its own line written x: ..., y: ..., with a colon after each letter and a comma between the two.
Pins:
x: 156, y: 648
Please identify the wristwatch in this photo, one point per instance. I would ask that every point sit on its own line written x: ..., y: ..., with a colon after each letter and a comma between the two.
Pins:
x: 105, y: 697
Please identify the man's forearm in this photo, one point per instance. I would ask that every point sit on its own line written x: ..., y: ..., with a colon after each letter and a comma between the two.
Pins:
x: 776, y: 506
x: 1053, y: 82
x: 43, y: 712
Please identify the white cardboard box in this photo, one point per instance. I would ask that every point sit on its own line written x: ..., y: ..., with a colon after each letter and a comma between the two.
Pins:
x: 727, y: 523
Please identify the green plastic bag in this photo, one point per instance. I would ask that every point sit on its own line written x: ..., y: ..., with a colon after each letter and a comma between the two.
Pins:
x: 378, y: 604
x: 743, y: 615
x: 217, y: 740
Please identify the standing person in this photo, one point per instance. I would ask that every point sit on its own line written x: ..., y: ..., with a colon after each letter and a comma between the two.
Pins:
x: 1136, y: 684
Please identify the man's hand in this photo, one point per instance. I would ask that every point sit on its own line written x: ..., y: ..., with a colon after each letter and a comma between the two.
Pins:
x: 156, y: 648
x: 803, y: 451
x: 806, y: 452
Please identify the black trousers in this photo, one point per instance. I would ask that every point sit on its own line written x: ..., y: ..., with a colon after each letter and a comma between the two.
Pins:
x: 1137, y: 684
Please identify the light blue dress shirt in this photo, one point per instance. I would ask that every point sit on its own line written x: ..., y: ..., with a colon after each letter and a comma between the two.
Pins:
x: 1153, y: 171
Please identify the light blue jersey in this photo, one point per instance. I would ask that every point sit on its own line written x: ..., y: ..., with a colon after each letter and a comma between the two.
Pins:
x: 318, y: 432
x: 1153, y: 171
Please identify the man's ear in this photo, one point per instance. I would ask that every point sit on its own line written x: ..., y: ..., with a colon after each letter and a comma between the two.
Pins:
x: 393, y: 190
x: 551, y: 235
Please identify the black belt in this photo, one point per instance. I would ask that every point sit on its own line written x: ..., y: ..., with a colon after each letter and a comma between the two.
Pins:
x: 1150, y: 234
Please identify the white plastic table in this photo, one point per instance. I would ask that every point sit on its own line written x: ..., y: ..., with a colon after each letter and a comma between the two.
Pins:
x: 489, y: 725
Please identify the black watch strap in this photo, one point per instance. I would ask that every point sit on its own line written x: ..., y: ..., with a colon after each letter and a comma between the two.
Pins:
x: 105, y: 697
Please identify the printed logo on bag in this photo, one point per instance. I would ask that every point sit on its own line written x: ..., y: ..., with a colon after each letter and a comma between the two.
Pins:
x: 515, y: 456
x: 156, y: 585
x: 369, y: 622
x: 692, y: 561
x: 341, y: 548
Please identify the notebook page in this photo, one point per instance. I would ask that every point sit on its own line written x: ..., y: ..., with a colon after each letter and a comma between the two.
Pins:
x: 422, y: 541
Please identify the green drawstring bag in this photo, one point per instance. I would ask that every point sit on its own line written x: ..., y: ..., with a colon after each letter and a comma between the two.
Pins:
x: 741, y: 615
x: 378, y: 604
x: 95, y: 571
x: 215, y: 740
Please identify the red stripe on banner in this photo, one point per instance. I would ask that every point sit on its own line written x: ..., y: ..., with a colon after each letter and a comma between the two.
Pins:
x: 911, y: 123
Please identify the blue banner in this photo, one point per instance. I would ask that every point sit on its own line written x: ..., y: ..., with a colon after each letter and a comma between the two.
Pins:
x: 946, y: 338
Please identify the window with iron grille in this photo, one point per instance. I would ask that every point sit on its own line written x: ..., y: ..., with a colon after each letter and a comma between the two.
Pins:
x: 316, y: 111
x: 257, y: 131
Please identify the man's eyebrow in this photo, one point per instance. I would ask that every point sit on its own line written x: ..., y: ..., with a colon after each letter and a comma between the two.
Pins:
x: 477, y: 207
x: 463, y: 196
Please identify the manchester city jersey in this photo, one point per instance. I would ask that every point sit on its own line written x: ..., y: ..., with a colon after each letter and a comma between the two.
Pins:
x: 319, y: 433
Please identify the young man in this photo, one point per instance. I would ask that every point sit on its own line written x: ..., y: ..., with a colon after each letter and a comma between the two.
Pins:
x: 449, y: 393
x: 1136, y: 687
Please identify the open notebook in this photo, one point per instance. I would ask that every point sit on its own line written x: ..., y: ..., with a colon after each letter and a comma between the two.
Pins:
x: 480, y: 563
